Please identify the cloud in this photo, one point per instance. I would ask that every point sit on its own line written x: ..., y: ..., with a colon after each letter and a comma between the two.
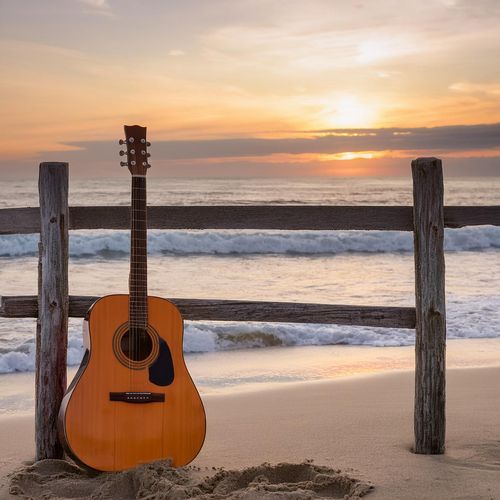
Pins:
x: 176, y: 53
x: 466, y: 150
x: 473, y: 88
x: 101, y: 7
x: 96, y: 4
x: 444, y: 139
x: 456, y: 139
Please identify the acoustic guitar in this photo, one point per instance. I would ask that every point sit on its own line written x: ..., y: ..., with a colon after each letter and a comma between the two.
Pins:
x: 132, y: 400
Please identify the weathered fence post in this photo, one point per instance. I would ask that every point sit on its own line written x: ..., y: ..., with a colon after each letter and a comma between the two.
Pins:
x: 52, y: 330
x: 430, y: 344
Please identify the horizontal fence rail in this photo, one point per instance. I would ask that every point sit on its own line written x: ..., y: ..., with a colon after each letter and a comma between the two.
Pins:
x: 427, y: 219
x: 286, y: 217
x: 242, y: 310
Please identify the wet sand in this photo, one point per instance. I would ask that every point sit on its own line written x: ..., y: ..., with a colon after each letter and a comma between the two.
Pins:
x: 361, y: 426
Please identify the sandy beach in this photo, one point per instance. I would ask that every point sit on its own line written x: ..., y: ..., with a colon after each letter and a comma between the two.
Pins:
x: 361, y: 425
x: 278, y: 223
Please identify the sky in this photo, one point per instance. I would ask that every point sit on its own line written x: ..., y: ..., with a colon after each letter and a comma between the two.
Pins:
x: 251, y: 87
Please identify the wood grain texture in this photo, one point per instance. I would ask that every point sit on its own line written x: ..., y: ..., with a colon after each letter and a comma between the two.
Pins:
x: 251, y: 217
x: 456, y: 216
x: 20, y: 220
x: 430, y: 343
x: 52, y: 330
x: 109, y: 435
x: 242, y: 310
x: 394, y: 218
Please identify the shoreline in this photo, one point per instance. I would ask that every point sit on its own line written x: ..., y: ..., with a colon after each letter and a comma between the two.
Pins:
x: 262, y: 368
x: 362, y: 425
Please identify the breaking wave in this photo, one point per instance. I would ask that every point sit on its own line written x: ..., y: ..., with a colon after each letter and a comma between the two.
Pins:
x: 470, y: 318
x: 224, y: 242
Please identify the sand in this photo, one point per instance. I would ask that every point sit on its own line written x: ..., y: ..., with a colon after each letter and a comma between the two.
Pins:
x: 359, y: 429
x: 59, y: 479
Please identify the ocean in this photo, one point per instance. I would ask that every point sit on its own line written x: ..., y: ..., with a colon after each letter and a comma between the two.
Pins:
x: 341, y: 267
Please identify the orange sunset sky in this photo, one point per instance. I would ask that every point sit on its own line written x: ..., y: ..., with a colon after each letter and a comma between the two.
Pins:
x: 251, y: 87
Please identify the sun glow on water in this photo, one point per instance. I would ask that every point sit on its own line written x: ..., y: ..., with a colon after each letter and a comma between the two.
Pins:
x: 352, y: 155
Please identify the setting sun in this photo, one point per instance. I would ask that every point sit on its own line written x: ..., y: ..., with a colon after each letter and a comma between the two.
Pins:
x: 348, y: 111
x: 287, y: 73
x: 273, y: 224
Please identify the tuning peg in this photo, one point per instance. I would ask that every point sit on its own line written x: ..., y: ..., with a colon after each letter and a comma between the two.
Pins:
x: 148, y: 166
x: 132, y: 163
x: 121, y: 142
x: 130, y: 139
x: 123, y: 164
x: 148, y: 144
x: 123, y: 153
x: 148, y: 155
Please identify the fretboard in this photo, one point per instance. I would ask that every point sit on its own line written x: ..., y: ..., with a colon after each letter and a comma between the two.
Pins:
x: 138, y: 281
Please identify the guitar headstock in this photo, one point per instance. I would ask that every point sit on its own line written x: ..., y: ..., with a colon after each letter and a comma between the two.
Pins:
x: 137, y: 149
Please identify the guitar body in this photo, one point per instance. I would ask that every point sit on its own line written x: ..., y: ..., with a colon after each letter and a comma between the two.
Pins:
x: 119, y: 411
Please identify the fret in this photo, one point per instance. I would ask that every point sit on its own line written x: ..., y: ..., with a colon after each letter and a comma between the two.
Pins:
x: 138, y: 313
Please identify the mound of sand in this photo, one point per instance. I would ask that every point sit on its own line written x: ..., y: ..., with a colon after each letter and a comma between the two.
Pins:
x: 57, y: 479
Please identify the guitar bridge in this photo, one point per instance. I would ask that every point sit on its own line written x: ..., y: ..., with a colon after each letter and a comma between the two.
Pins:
x: 137, y: 397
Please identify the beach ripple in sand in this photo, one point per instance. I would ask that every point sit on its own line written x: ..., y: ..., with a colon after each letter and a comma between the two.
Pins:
x: 57, y: 479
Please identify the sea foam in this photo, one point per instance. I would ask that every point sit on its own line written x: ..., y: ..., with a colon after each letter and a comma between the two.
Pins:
x: 466, y: 318
x: 226, y: 242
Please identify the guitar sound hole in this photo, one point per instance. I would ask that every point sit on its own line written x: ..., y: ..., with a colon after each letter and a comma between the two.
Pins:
x: 136, y: 345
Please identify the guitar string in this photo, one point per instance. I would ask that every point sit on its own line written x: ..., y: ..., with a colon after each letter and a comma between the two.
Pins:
x: 140, y: 258
x: 145, y: 261
x: 132, y: 284
x: 137, y: 291
x: 138, y: 295
x: 130, y: 312
x: 132, y: 274
x: 137, y: 299
x: 135, y: 326
x: 135, y: 267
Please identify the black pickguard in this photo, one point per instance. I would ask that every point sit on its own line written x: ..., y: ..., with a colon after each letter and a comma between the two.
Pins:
x: 161, y: 372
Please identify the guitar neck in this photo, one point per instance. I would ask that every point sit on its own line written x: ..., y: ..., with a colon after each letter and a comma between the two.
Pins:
x: 138, y: 281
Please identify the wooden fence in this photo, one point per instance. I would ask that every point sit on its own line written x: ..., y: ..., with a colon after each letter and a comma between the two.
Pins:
x: 427, y: 219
